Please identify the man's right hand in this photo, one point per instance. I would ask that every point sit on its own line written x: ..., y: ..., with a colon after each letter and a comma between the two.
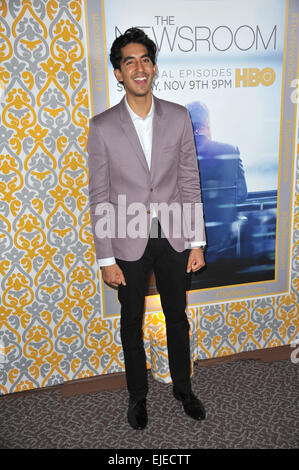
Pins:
x: 113, y: 275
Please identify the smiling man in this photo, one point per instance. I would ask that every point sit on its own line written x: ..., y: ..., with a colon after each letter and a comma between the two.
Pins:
x: 142, y: 151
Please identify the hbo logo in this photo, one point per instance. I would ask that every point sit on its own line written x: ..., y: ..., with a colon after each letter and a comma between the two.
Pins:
x: 254, y: 77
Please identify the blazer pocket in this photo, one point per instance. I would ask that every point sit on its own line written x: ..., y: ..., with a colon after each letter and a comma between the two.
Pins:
x: 170, y: 148
x: 114, y: 198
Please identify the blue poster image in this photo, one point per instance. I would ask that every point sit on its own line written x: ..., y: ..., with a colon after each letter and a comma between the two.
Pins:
x: 226, y: 66
x: 240, y: 225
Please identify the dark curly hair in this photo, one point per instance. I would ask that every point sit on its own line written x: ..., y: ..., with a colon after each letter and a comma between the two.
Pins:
x: 131, y: 35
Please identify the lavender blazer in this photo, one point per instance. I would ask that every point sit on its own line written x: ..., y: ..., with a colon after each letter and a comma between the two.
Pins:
x: 117, y: 166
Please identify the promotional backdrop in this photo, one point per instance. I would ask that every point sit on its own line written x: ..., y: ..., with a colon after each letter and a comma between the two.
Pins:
x: 57, y: 321
x: 229, y: 66
x: 225, y: 61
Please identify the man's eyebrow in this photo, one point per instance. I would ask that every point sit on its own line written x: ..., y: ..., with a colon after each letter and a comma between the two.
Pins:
x: 133, y: 57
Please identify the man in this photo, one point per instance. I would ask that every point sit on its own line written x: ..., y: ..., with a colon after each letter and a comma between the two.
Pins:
x: 223, y: 183
x: 142, y: 152
x: 207, y: 148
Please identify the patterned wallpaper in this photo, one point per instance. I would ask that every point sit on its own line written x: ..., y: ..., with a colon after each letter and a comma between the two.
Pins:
x: 51, y: 326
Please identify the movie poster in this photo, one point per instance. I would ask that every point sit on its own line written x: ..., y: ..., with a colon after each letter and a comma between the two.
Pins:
x: 226, y: 61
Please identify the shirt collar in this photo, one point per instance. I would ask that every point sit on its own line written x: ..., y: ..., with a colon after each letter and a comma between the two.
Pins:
x: 135, y: 116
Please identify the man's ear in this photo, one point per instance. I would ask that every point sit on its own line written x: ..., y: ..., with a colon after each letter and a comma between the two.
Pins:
x: 118, y: 75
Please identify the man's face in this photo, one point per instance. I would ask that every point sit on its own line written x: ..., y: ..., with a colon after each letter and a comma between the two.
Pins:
x: 136, y: 70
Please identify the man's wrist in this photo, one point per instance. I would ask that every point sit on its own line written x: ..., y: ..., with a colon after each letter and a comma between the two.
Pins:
x: 202, y: 248
x: 102, y: 262
x: 200, y: 245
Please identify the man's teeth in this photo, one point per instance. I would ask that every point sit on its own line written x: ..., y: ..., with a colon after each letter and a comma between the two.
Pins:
x: 140, y: 79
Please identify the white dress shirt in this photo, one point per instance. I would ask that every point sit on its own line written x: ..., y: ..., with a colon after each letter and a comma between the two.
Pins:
x: 144, y: 129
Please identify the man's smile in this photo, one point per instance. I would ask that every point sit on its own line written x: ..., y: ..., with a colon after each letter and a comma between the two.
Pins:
x: 140, y: 80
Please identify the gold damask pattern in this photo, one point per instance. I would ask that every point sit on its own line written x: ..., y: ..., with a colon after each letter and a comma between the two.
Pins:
x: 51, y: 325
x: 49, y: 313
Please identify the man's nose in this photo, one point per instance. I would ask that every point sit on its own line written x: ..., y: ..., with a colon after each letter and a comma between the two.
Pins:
x: 140, y: 65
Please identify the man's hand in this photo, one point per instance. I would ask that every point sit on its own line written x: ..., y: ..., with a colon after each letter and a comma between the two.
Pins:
x: 196, y: 260
x: 113, y: 275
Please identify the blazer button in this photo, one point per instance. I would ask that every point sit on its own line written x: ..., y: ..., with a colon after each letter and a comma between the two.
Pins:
x: 148, y: 211
x: 151, y: 190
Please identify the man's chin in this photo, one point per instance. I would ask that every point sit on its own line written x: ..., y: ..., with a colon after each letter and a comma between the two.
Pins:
x: 140, y: 93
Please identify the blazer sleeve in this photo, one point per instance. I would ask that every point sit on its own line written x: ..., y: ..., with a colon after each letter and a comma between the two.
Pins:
x: 189, y: 185
x: 99, y: 185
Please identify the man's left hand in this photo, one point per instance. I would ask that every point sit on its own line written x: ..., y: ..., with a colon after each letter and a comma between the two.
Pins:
x: 196, y: 260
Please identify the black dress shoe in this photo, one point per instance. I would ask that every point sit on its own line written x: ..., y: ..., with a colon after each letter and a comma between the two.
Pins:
x: 192, y: 405
x: 137, y: 414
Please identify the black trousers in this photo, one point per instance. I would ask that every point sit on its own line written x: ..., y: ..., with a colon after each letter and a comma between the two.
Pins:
x: 172, y: 282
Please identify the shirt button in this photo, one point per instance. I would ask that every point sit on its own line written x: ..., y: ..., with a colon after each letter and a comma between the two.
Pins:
x: 148, y: 211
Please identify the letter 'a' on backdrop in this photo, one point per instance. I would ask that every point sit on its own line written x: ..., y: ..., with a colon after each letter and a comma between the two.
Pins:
x: 234, y: 69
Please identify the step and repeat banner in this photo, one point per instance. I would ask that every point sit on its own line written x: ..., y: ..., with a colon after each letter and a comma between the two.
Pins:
x: 234, y: 66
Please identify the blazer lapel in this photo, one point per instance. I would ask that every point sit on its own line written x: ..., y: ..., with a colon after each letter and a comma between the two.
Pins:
x: 159, y: 124
x: 130, y: 131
